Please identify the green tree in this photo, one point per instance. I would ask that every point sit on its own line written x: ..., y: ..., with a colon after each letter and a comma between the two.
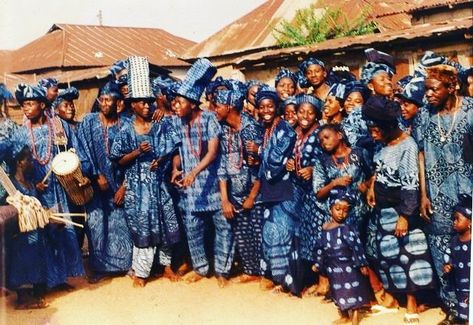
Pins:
x: 308, y: 27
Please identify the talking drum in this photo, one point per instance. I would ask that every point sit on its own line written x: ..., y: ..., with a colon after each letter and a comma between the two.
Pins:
x: 66, y: 167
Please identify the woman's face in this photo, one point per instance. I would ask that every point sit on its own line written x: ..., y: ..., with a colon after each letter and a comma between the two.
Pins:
x: 381, y: 84
x: 141, y: 109
x: 290, y: 114
x: 267, y: 110
x: 376, y: 133
x: 332, y: 107
x: 306, y: 115
x: 285, y: 88
x: 108, y: 105
x: 315, y: 74
x: 66, y: 110
x: 51, y: 93
x: 329, y: 140
x: 353, y: 100
x: 408, y: 110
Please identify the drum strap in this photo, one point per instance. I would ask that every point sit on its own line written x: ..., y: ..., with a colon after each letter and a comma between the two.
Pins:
x: 60, y: 138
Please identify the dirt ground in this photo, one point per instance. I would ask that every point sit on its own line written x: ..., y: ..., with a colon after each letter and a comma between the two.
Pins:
x: 115, y: 301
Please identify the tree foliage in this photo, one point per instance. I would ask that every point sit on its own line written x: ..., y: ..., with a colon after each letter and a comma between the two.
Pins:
x: 309, y: 27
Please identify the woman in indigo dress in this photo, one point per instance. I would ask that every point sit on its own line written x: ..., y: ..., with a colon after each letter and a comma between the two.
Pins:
x: 398, y: 246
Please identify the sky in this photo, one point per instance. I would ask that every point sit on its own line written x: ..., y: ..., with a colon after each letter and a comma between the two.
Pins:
x: 22, y: 21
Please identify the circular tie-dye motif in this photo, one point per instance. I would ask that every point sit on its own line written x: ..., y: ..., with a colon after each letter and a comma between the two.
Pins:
x: 421, y: 273
x: 398, y: 276
x: 389, y: 246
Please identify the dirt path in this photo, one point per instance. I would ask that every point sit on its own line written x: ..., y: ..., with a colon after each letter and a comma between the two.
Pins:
x: 116, y: 302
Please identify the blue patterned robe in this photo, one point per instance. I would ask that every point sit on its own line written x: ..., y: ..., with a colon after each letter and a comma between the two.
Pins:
x: 110, y: 244
x: 403, y: 263
x: 358, y: 168
x: 67, y: 259
x: 150, y: 223
x: 7, y: 129
x: 279, y: 225
x: 448, y: 173
x: 339, y: 255
x: 239, y: 176
x: 203, y: 195
x: 28, y: 253
x: 354, y: 126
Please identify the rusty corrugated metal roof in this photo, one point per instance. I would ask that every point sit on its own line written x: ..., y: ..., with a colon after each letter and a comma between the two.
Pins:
x: 340, y: 44
x: 254, y: 30
x: 88, y: 46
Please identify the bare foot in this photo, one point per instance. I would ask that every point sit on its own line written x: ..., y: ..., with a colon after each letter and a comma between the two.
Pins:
x: 139, y: 282
x: 183, y: 269
x: 193, y: 277
x: 323, y: 287
x: 385, y: 299
x: 279, y: 289
x: 32, y: 303
x: 222, y: 282
x: 422, y: 307
x: 266, y: 284
x: 355, y: 317
x: 310, y: 291
x: 245, y: 278
x: 169, y: 274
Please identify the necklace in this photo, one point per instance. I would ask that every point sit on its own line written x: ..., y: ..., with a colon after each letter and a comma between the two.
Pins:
x: 187, y: 131
x: 33, y: 142
x: 444, y: 137
x: 301, y: 140
x: 269, y: 131
x: 105, y: 134
x: 238, y: 164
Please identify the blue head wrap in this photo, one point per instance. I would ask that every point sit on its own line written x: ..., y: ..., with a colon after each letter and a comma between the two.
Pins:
x: 267, y: 92
x: 232, y: 98
x: 48, y: 83
x: 340, y: 74
x: 402, y: 83
x: 210, y: 89
x: 464, y: 205
x: 341, y: 194
x: 26, y: 92
x: 118, y: 66
x: 237, y: 85
x: 356, y: 86
x: 302, y: 80
x: 110, y: 88
x: 369, y: 70
x: 382, y: 112
x: 251, y: 83
x: 69, y: 94
x: 291, y: 100
x: 414, y: 91
x: 122, y: 81
x: 431, y: 59
x: 285, y: 73
x: 159, y: 83
x: 5, y: 93
x: 338, y: 91
x: 171, y: 91
x: 309, y: 61
x: 314, y: 101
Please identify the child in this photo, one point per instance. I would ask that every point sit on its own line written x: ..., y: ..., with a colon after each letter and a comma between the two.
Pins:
x: 340, y: 256
x: 458, y: 263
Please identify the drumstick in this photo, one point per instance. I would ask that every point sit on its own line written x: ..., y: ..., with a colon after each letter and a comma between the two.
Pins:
x: 47, y: 175
x: 70, y: 214
x: 66, y: 221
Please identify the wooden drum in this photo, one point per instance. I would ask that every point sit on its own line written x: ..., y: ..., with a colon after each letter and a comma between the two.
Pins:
x: 66, y: 167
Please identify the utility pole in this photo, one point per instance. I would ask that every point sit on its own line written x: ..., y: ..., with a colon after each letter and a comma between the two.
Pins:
x: 100, y: 17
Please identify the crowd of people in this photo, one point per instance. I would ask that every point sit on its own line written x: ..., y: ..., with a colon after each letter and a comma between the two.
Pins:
x: 357, y: 190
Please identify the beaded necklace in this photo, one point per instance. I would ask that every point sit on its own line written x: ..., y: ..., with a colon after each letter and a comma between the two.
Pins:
x: 269, y: 131
x: 33, y: 142
x: 187, y: 128
x: 105, y: 134
x: 300, y: 142
x: 238, y: 164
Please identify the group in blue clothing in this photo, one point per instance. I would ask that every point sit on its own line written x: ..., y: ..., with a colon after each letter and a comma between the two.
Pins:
x: 355, y: 190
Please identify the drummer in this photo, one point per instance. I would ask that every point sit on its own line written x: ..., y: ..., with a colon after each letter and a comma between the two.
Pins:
x: 45, y: 137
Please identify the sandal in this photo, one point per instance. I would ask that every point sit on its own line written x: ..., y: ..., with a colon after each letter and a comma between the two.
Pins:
x: 411, y: 318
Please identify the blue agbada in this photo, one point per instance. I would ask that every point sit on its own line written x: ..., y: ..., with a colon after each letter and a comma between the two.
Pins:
x: 234, y: 169
x: 150, y: 223
x: 110, y: 244
x: 280, y: 244
x: 66, y: 260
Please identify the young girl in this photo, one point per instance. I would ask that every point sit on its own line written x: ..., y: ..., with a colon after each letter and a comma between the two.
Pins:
x: 341, y: 257
x: 458, y: 263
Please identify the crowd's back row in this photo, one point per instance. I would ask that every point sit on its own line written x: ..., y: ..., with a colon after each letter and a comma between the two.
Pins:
x: 323, y: 183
